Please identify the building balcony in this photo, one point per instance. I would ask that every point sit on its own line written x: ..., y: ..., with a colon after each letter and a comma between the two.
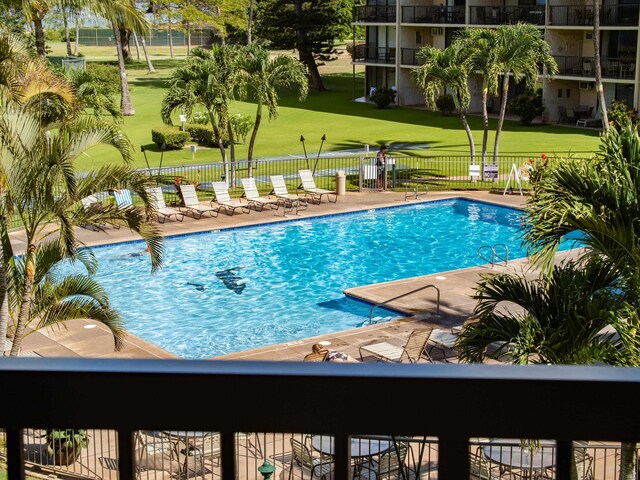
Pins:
x: 612, y: 67
x: 434, y: 14
x: 409, y: 56
x: 374, y: 14
x: 368, y: 54
x: 193, y: 413
x: 491, y: 15
x: 582, y: 15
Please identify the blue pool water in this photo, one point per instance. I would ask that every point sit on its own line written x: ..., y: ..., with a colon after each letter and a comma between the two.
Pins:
x: 222, y: 292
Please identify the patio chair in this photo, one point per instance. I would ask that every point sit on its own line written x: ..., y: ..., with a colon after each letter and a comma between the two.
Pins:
x: 123, y: 198
x: 411, y: 352
x: 253, y: 197
x: 223, y: 199
x: 310, y: 189
x: 192, y: 204
x: 91, y: 204
x: 208, y: 448
x: 391, y: 463
x: 480, y: 468
x: 154, y: 451
x: 301, y: 455
x: 282, y: 194
x: 316, y: 357
x: 157, y: 199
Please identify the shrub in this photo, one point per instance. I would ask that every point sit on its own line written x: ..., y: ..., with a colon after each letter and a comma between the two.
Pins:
x: 619, y: 114
x: 241, y: 126
x: 203, y: 135
x: 201, y: 118
x: 445, y: 104
x: 527, y: 106
x: 107, y: 75
x: 169, y: 138
x: 383, y: 97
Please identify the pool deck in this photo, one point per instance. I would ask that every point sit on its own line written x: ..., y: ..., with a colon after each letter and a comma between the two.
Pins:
x: 76, y: 340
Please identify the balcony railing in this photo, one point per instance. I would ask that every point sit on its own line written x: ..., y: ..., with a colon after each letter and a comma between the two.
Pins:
x: 374, y: 14
x: 610, y: 15
x: 367, y: 54
x: 434, y: 14
x: 185, y: 399
x: 490, y: 15
x: 617, y: 68
x: 409, y: 56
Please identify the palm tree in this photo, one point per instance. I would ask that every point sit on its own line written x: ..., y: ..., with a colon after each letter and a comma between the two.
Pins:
x: 262, y: 76
x: 41, y: 189
x: 442, y: 70
x: 34, y: 12
x: 598, y: 66
x: 601, y: 199
x: 209, y: 79
x: 520, y: 51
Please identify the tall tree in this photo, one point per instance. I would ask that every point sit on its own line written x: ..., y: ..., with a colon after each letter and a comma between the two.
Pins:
x: 597, y: 7
x: 250, y: 22
x: 262, y: 76
x: 519, y: 52
x: 311, y: 27
x: 446, y: 69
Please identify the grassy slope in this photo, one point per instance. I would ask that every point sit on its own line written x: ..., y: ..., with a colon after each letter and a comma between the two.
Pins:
x: 346, y: 124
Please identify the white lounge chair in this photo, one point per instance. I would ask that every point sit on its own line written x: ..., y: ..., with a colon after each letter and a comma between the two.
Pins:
x: 157, y: 198
x: 193, y: 205
x: 223, y: 199
x: 310, y: 189
x: 282, y: 194
x: 123, y: 198
x: 253, y: 197
x: 411, y: 352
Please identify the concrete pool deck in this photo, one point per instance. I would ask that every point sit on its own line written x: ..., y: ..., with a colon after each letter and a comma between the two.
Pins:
x: 88, y: 339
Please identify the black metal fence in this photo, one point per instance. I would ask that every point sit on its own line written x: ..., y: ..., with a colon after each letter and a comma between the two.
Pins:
x: 101, y: 37
x: 492, y: 15
x: 434, y: 14
x: 424, y: 423
x: 374, y: 14
x: 610, y: 15
x: 612, y: 67
x: 365, y: 53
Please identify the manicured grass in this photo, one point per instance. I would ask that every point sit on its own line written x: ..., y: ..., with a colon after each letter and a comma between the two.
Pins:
x: 346, y: 124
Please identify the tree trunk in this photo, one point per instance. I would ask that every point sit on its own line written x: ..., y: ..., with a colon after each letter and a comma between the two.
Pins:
x: 188, y: 39
x: 252, y: 141
x: 232, y: 154
x: 485, y: 121
x: 25, y: 304
x: 223, y: 153
x: 77, y: 42
x: 628, y: 461
x: 146, y: 55
x: 39, y: 34
x: 135, y: 42
x: 125, y: 36
x: 310, y: 62
x: 250, y: 23
x: 126, y: 106
x: 4, y: 301
x: 170, y: 40
x: 467, y: 128
x: 598, y: 71
x: 503, y: 111
x: 67, y: 39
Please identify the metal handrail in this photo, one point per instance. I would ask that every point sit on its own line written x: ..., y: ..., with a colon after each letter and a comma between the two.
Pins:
x: 425, y: 287
x: 504, y: 259
x: 415, y: 192
x: 494, y: 254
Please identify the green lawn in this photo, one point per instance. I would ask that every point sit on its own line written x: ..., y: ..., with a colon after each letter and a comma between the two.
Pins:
x: 346, y: 124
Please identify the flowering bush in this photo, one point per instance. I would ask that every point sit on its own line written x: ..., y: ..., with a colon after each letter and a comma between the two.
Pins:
x: 534, y: 169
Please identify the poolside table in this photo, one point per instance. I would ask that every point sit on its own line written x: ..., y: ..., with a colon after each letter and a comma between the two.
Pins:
x: 509, y: 454
x: 361, y: 448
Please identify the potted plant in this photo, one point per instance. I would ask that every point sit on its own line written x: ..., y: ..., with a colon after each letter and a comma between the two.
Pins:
x: 64, y: 446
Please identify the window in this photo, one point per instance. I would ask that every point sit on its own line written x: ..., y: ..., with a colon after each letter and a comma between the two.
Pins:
x: 418, y: 38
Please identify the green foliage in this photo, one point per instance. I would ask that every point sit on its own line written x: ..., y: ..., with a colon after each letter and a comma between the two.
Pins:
x: 67, y: 439
x: 383, y: 97
x: 204, y: 135
x: 241, y: 126
x: 108, y: 75
x: 620, y: 114
x: 169, y: 138
x: 528, y: 106
x: 200, y: 118
x: 445, y: 104
x: 96, y: 90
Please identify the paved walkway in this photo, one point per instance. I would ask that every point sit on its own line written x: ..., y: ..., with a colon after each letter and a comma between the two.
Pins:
x: 89, y: 339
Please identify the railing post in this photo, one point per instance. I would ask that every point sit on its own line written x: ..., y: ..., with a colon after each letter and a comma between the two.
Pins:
x: 563, y: 459
x: 453, y: 458
x: 126, y: 460
x: 228, y: 457
x: 360, y: 174
x: 15, y: 453
x: 342, y: 457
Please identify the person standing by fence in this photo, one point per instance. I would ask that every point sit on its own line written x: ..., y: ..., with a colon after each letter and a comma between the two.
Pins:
x: 381, y: 160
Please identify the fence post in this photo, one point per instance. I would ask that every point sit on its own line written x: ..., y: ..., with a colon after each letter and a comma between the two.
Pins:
x: 360, y: 174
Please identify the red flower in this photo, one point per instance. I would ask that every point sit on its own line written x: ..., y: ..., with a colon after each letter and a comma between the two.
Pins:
x: 531, y: 161
x: 543, y: 156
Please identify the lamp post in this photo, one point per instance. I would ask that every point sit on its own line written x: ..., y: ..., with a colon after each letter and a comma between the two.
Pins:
x: 305, y: 150
x: 324, y: 137
x: 266, y: 470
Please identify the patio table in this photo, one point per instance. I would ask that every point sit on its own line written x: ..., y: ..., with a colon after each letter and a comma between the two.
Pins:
x: 509, y: 454
x: 360, y: 447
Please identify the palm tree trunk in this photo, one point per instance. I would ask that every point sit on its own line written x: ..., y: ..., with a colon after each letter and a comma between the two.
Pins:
x: 135, y: 42
x: 39, y: 34
x: 598, y: 71
x: 25, y: 303
x: 252, y: 141
x: 77, y: 42
x: 67, y: 39
x: 188, y: 39
x: 223, y: 153
x: 232, y: 154
x: 250, y: 23
x: 146, y: 55
x: 485, y: 121
x: 126, y: 106
x: 628, y: 461
x: 310, y: 62
x: 125, y: 35
x: 4, y: 301
x: 503, y: 111
x: 467, y: 128
x: 170, y: 40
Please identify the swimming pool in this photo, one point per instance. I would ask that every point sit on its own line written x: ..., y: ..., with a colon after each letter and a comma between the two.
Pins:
x: 226, y: 291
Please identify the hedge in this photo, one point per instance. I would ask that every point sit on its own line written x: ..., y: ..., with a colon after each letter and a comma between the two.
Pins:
x: 169, y: 138
x: 203, y: 135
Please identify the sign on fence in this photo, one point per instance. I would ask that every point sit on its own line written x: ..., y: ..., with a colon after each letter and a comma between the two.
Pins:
x: 474, y: 171
x: 490, y: 172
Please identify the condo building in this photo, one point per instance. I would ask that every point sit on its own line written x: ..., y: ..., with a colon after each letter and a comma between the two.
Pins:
x: 396, y: 30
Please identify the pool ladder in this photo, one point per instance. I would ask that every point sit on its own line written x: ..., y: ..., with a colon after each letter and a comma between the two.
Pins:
x: 414, y: 192
x: 494, y: 254
x: 425, y: 287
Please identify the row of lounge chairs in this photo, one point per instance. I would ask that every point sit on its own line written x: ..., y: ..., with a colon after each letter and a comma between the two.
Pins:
x: 191, y: 205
